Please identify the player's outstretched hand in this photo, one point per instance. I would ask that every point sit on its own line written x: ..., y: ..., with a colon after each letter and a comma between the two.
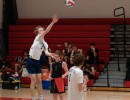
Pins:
x: 55, y: 18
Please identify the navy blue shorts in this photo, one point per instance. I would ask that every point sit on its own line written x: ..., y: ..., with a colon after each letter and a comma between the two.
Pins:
x: 33, y: 66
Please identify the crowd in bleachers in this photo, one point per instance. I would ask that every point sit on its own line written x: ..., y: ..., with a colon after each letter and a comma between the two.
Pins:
x: 18, y: 67
x: 91, y: 61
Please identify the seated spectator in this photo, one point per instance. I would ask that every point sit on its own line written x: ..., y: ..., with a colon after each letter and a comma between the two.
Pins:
x: 0, y: 64
x: 5, y: 65
x: 67, y: 60
x: 74, y: 51
x: 0, y: 76
x: 0, y: 72
x: 49, y: 58
x: 89, y: 70
x: 67, y: 50
x: 92, y: 55
x: 66, y: 53
x: 20, y: 63
x: 44, y: 61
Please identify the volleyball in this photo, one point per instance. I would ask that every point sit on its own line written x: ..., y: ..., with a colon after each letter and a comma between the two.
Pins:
x: 70, y: 3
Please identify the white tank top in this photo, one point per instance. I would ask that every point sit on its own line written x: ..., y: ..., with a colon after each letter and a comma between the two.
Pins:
x: 37, y: 47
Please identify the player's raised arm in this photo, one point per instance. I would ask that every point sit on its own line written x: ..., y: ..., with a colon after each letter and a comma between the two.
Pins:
x: 55, y: 18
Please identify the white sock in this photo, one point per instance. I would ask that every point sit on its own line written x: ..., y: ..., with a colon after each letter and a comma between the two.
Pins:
x: 33, y: 98
x: 40, y: 97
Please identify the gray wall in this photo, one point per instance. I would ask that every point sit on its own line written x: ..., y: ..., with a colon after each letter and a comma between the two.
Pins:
x: 82, y: 9
x: 1, y: 3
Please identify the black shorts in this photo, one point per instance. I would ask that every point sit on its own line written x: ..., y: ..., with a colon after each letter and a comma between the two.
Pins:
x: 33, y: 66
x: 54, y: 89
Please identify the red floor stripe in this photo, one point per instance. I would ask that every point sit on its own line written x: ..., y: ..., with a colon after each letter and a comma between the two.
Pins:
x: 3, y: 98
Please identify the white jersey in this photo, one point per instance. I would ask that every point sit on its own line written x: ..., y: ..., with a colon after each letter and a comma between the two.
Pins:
x: 75, y: 77
x: 37, y: 47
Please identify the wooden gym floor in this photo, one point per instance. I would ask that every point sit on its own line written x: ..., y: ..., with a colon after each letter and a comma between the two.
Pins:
x: 24, y: 94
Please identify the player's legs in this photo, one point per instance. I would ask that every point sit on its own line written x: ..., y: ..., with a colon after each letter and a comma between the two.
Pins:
x: 33, y: 84
x: 55, y: 96
x: 61, y: 96
x: 39, y: 84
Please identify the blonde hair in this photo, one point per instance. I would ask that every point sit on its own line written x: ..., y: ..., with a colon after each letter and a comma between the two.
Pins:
x: 36, y: 29
x: 57, y: 52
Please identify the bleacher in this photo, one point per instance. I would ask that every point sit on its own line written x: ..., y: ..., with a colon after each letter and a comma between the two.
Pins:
x: 21, y: 37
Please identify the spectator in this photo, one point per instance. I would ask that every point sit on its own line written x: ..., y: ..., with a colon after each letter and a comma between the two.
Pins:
x: 0, y: 76
x: 74, y: 51
x: 5, y: 65
x: 0, y: 73
x: 92, y: 55
x: 89, y: 70
x: 44, y: 61
x: 67, y: 60
x: 67, y: 49
x: 20, y: 63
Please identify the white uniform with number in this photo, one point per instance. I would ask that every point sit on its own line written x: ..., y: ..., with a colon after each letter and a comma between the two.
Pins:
x: 37, y: 47
x: 75, y: 77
